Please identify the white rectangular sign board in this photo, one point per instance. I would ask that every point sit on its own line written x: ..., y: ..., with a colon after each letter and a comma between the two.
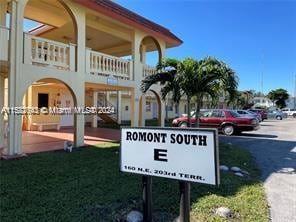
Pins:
x: 176, y: 153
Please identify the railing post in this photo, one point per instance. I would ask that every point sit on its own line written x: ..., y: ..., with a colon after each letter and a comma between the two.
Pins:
x: 87, y: 60
x: 27, y: 49
x: 72, y: 57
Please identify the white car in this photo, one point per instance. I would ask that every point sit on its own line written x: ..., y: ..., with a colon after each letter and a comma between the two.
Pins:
x: 290, y: 112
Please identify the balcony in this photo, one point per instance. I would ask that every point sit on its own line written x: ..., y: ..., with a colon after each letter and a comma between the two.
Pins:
x: 98, y: 63
x: 53, y: 54
x: 4, y: 38
x: 148, y: 70
x: 48, y: 53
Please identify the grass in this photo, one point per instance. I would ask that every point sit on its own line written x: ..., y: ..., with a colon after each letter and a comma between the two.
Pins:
x: 86, y: 185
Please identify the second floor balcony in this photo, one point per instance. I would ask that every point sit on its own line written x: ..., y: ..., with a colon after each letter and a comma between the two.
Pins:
x: 53, y: 54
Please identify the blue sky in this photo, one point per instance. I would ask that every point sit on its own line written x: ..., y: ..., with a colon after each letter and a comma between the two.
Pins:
x: 253, y: 37
x: 256, y: 38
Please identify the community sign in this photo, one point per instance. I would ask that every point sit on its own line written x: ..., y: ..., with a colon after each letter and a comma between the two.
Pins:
x: 177, y: 153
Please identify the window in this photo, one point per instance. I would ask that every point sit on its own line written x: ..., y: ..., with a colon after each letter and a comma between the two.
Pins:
x: 206, y: 113
x: 234, y: 114
x: 42, y: 100
x: 217, y: 113
x: 148, y: 106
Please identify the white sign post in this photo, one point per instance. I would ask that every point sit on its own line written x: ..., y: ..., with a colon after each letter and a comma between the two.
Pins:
x: 176, y: 153
x: 184, y: 154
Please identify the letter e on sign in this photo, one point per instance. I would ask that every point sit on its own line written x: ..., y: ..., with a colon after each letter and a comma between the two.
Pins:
x: 160, y: 155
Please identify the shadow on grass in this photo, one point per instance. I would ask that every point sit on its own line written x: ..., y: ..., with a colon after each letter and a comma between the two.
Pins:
x: 86, y: 185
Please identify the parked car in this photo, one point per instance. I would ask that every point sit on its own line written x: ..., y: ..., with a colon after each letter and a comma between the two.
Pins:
x: 262, y: 112
x: 275, y: 114
x: 228, y: 121
x: 249, y: 114
x: 290, y: 112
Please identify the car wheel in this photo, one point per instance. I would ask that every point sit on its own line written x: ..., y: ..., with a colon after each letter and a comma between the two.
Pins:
x: 278, y: 117
x: 228, y: 130
x: 294, y: 115
x: 183, y: 125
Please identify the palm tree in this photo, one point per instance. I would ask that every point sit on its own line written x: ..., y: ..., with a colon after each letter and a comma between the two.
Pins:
x: 166, y: 76
x: 192, y: 78
x: 206, y: 78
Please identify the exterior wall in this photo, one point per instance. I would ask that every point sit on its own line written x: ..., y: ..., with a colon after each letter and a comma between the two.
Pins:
x: 53, y: 100
x: 76, y: 76
x: 262, y: 102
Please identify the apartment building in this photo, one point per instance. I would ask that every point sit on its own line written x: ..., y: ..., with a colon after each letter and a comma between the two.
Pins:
x: 79, y: 51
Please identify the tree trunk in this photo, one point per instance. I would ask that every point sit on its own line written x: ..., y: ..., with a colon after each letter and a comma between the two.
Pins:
x: 197, y: 111
x: 188, y: 112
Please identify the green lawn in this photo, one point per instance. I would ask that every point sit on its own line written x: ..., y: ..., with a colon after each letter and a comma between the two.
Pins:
x: 86, y: 185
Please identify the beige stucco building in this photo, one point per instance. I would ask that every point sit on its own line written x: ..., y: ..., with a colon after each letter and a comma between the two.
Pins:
x: 82, y: 52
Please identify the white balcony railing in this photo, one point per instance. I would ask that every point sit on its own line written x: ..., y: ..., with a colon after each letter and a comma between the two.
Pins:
x: 106, y: 65
x: 44, y: 52
x: 4, y: 38
x: 148, y: 70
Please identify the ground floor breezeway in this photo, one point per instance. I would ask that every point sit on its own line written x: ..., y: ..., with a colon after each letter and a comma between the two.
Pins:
x: 35, y: 141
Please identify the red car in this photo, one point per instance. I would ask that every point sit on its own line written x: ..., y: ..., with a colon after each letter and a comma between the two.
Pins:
x: 261, y: 112
x: 228, y: 121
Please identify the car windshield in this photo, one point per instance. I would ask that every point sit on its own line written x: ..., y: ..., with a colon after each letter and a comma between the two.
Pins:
x: 234, y: 114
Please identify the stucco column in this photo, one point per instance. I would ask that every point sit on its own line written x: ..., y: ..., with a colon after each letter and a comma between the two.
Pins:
x: 95, y: 116
x: 79, y: 121
x: 143, y: 52
x: 107, y: 98
x: 79, y: 15
x: 119, y: 107
x: 3, y: 9
x: 142, y: 111
x: 135, y: 105
x: 1, y: 116
x: 15, y: 96
x: 138, y: 72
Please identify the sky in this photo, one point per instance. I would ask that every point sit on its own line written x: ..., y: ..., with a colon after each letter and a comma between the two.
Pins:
x: 257, y: 38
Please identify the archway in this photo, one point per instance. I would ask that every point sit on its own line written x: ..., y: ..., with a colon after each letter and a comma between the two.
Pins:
x: 61, y: 27
x: 150, y: 51
x: 150, y: 110
x: 54, y: 123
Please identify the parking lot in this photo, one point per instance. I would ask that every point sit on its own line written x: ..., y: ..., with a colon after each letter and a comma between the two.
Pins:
x: 274, y: 149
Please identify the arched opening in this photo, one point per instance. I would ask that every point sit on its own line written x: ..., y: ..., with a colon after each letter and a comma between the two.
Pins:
x: 150, y: 55
x: 150, y: 111
x: 150, y: 51
x: 50, y: 34
x: 53, y: 124
x: 52, y: 20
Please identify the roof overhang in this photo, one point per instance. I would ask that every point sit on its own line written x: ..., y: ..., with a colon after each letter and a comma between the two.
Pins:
x: 123, y: 15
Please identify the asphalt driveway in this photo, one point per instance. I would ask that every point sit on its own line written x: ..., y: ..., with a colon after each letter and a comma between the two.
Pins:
x: 274, y: 148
